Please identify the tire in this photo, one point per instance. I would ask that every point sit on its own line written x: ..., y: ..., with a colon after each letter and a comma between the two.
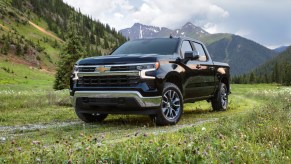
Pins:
x: 90, y: 117
x: 171, y: 108
x: 220, y: 100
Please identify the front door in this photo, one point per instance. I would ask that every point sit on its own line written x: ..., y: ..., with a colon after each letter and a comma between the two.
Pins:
x: 200, y: 75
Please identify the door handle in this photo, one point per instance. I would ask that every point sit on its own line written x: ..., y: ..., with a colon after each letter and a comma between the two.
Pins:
x: 198, y: 66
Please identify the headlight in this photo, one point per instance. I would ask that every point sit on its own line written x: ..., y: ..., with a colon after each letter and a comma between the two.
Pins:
x: 148, y: 66
x: 75, y: 69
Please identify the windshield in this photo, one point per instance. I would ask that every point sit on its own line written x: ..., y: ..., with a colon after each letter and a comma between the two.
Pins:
x: 161, y: 46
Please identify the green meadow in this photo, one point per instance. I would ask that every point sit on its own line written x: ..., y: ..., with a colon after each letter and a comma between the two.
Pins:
x: 38, y: 125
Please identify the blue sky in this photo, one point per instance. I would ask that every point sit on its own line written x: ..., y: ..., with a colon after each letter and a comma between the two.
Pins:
x: 267, y: 22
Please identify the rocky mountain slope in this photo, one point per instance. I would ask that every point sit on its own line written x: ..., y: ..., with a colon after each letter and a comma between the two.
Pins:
x: 138, y: 31
x: 34, y: 32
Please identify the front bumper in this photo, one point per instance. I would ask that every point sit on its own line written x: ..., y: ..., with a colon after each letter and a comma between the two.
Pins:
x: 142, y: 102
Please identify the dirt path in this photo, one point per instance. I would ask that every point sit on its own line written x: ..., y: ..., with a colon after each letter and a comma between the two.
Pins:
x: 121, y: 134
x: 32, y: 127
x: 158, y: 130
x: 45, y: 32
x: 6, y: 28
x: 40, y: 29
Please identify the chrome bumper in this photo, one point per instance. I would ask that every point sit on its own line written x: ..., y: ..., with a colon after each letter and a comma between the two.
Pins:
x: 142, y: 101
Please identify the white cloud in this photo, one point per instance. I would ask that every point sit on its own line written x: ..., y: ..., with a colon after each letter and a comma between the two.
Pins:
x: 173, y: 13
x: 114, y: 12
x: 118, y: 15
x: 211, y: 28
x: 169, y: 13
x: 92, y: 7
x: 266, y: 22
x: 243, y: 32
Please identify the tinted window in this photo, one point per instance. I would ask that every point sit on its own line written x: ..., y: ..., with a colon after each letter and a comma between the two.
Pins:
x: 185, y: 47
x: 200, y: 51
x: 162, y: 46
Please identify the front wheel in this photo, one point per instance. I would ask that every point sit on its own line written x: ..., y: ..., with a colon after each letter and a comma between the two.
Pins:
x: 171, y: 107
x: 220, y: 100
x: 89, y: 117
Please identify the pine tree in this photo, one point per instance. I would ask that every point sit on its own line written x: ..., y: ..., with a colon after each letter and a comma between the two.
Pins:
x: 18, y: 49
x: 275, y: 73
x: 98, y: 42
x: 25, y: 48
x: 17, y: 4
x: 288, y: 75
x: 92, y: 39
x: 55, y: 44
x: 71, y: 53
x: 5, y: 47
x: 106, y: 45
x: 252, y: 78
x: 266, y: 79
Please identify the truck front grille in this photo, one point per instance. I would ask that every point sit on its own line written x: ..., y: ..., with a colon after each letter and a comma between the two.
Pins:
x: 87, y: 69
x: 123, y: 68
x: 112, y: 68
x: 108, y: 81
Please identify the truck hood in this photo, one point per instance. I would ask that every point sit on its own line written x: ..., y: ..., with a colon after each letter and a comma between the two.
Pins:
x: 119, y: 59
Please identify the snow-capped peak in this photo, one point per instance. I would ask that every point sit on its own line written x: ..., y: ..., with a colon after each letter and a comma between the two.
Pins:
x: 138, y: 31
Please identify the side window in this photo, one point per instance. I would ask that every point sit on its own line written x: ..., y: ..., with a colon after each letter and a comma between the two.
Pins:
x: 186, y: 46
x: 200, y: 51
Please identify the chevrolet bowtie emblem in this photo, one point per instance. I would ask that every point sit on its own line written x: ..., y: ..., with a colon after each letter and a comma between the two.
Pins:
x: 102, y: 69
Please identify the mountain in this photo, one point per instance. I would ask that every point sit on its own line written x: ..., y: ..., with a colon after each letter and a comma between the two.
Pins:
x: 280, y: 49
x: 138, y: 31
x: 34, y: 32
x: 242, y: 54
x: 276, y: 70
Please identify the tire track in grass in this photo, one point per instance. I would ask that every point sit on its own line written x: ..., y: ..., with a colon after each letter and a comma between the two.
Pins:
x: 33, y: 127
x: 157, y: 131
x: 124, y: 134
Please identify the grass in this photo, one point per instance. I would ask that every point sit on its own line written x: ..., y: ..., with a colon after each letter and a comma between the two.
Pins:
x: 38, y: 125
x: 255, y: 129
x: 17, y: 75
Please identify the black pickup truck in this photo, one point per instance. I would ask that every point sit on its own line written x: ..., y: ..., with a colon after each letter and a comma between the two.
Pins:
x: 149, y: 76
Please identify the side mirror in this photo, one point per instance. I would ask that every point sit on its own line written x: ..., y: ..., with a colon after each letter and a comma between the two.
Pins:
x: 191, y: 55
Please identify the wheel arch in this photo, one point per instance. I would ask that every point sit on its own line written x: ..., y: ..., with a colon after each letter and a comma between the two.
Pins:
x: 175, y: 78
x: 225, y: 80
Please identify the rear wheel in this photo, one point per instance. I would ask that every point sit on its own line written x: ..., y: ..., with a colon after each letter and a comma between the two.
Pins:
x: 171, y: 107
x: 89, y: 117
x: 220, y: 101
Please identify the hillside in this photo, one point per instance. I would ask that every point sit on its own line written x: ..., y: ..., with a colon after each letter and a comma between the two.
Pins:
x: 242, y: 54
x: 34, y: 32
x: 276, y: 70
x: 22, y: 43
x: 280, y: 49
